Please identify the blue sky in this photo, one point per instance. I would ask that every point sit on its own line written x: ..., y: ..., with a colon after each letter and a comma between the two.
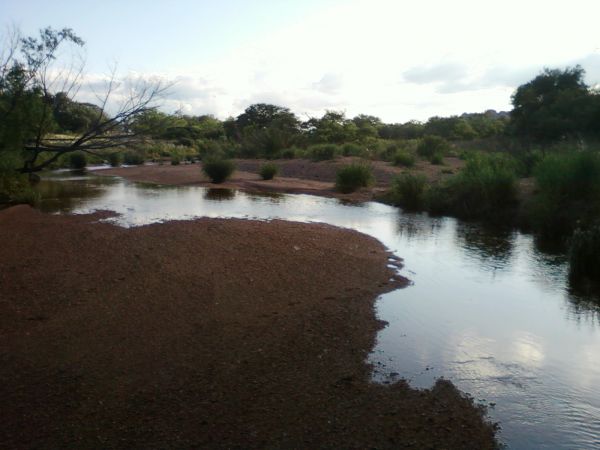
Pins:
x: 395, y: 59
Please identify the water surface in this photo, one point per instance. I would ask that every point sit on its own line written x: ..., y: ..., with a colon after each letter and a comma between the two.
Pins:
x: 486, y: 309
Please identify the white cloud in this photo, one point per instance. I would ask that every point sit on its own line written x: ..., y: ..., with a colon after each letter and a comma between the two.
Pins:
x: 396, y: 60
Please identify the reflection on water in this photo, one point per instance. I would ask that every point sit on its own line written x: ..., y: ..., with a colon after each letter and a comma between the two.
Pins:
x: 219, y: 194
x: 488, y: 309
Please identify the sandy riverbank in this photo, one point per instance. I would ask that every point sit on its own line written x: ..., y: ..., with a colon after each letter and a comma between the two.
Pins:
x: 209, y: 333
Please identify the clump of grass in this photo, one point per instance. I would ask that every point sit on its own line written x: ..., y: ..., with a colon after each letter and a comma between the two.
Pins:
x: 288, y: 153
x: 218, y: 170
x: 268, y: 171
x: 430, y: 145
x: 133, y: 158
x: 404, y: 158
x: 568, y: 186
x: 408, y: 190
x: 437, y: 159
x: 114, y: 159
x: 352, y: 149
x: 323, y: 152
x: 77, y: 160
x: 352, y: 177
x: 484, y: 188
x: 175, y: 160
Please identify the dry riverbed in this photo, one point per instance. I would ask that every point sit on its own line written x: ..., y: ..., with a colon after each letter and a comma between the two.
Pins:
x: 209, y: 333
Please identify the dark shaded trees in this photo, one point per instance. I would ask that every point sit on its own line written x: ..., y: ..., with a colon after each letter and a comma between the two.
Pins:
x: 556, y: 104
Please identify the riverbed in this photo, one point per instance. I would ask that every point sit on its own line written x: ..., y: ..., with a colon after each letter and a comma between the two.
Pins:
x: 486, y: 309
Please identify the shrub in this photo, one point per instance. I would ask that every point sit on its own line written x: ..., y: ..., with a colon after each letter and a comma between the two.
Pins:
x: 484, y: 188
x: 351, y: 149
x: 175, y: 160
x: 77, y: 160
x: 568, y: 188
x: 323, y: 152
x: 437, y: 159
x: 132, y: 158
x: 584, y: 253
x: 288, y: 153
x: 114, y: 159
x: 352, y: 177
x: 218, y: 170
x: 404, y: 158
x: 408, y: 190
x: 268, y: 171
x: 430, y: 145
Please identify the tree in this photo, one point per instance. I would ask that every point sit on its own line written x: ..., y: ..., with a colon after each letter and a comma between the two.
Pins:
x: 29, y: 108
x: 266, y: 129
x: 332, y: 128
x: 555, y: 104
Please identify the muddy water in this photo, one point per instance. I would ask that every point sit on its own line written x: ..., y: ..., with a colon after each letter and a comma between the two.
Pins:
x: 487, y: 310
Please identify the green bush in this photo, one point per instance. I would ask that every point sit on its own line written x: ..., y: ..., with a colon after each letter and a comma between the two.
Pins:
x: 114, y: 159
x: 568, y: 192
x: 218, y: 170
x: 323, y: 152
x: 486, y: 187
x: 15, y: 187
x: 175, y: 160
x: 288, y: 153
x: 437, y: 159
x: 352, y: 177
x: 584, y: 253
x: 133, y: 158
x: 77, y: 160
x: 430, y: 145
x: 351, y: 149
x: 408, y: 190
x: 404, y: 158
x: 268, y: 171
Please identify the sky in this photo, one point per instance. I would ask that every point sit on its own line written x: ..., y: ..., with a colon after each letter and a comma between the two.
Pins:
x: 398, y: 60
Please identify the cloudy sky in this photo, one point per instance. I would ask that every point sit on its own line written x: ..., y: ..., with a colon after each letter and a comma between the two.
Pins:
x: 398, y: 60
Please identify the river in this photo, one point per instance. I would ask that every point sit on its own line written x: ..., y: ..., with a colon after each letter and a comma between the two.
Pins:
x: 486, y: 309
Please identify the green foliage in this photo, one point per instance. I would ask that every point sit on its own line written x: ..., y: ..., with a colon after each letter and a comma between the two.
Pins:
x: 218, y: 170
x: 408, y: 130
x: 289, y: 153
x: 431, y: 145
x: 268, y: 171
x: 568, y: 188
x: 404, y: 158
x: 133, y: 158
x: 584, y: 253
x: 352, y: 149
x: 115, y: 159
x: 408, y: 191
x: 175, y: 160
x: 323, y: 152
x: 352, y: 177
x: 437, y: 159
x: 486, y: 187
x: 332, y: 128
x: 77, y: 160
x: 554, y: 105
x: 14, y: 187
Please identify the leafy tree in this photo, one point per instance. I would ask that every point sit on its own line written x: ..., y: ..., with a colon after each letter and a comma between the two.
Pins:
x: 28, y: 113
x: 367, y: 126
x: 555, y: 104
x: 332, y: 128
x: 265, y: 130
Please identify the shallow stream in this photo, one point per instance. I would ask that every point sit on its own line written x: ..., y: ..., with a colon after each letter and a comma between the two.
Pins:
x: 486, y: 309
